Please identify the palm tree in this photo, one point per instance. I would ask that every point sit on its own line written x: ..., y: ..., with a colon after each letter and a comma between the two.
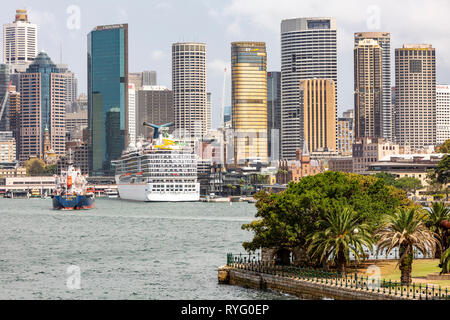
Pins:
x: 406, y: 230
x: 434, y: 218
x: 340, y: 233
x: 445, y: 262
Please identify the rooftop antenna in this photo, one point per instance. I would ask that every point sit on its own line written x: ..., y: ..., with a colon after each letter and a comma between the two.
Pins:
x: 60, y: 53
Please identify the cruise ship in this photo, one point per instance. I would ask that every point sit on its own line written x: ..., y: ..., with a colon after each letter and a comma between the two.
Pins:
x: 161, y: 170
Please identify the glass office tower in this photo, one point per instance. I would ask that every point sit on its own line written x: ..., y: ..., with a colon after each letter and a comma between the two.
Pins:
x: 107, y: 96
x: 4, y: 84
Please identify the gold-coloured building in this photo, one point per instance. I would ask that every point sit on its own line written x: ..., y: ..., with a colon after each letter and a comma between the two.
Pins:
x: 249, y: 101
x: 318, y: 114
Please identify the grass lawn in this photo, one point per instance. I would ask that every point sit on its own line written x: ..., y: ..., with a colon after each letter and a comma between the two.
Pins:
x: 420, y: 269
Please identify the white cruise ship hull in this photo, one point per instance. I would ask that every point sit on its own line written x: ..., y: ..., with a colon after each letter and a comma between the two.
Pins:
x: 145, y: 193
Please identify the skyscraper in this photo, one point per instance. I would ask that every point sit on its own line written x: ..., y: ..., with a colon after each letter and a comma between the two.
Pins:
x: 345, y: 133
x: 189, y: 89
x: 208, y: 111
x: 149, y: 78
x: 308, y: 51
x: 4, y: 87
x: 368, y: 89
x: 71, y: 86
x: 318, y: 114
x: 42, y: 99
x: 249, y: 100
x: 135, y: 78
x: 442, y: 113
x: 415, y: 100
x: 155, y: 105
x: 107, y: 96
x: 14, y: 116
x: 20, y: 42
x: 384, y: 41
x: 274, y: 114
x: 132, y: 112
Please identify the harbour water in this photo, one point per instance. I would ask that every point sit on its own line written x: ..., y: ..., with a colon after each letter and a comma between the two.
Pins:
x: 123, y: 250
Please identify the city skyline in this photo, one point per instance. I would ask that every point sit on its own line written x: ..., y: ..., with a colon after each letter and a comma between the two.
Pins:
x: 232, y: 22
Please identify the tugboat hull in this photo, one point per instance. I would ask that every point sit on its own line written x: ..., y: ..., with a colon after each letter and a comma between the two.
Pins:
x: 73, y: 202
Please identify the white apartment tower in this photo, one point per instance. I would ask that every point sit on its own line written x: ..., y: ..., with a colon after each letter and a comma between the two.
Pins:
x: 308, y: 51
x: 415, y: 96
x: 189, y: 89
x: 132, y: 112
x: 442, y: 113
x: 20, y: 42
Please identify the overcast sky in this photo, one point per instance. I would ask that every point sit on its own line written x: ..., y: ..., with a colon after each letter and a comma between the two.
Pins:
x: 155, y: 24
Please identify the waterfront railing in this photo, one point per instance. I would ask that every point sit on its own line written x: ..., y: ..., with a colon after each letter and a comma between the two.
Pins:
x: 252, y: 262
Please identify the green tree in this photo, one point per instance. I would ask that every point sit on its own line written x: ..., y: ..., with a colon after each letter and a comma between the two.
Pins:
x: 406, y: 230
x: 445, y: 147
x: 286, y: 219
x: 35, y: 167
x: 340, y: 233
x: 389, y: 179
x: 51, y: 169
x: 443, y: 170
x: 408, y: 184
x: 433, y: 220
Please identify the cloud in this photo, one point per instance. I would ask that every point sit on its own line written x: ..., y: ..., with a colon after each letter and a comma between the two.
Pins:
x: 40, y: 17
x: 216, y: 66
x: 234, y: 29
x: 157, y: 54
x: 163, y: 6
x: 122, y: 14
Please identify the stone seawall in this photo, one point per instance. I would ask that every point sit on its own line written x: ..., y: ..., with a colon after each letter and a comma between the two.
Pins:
x: 301, y: 288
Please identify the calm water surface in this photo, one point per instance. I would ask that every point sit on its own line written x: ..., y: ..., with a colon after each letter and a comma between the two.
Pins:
x: 125, y: 250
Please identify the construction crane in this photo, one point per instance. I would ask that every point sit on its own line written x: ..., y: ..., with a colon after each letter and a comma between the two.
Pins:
x: 5, y: 100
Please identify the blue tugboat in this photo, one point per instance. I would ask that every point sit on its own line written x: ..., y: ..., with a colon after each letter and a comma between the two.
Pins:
x: 71, y: 192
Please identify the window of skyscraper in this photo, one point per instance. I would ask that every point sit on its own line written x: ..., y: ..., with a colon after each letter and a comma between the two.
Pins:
x: 415, y: 66
x: 318, y: 24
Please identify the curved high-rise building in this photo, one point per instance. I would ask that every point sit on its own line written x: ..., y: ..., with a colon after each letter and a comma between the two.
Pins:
x: 308, y: 51
x: 249, y: 100
x: 189, y: 89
